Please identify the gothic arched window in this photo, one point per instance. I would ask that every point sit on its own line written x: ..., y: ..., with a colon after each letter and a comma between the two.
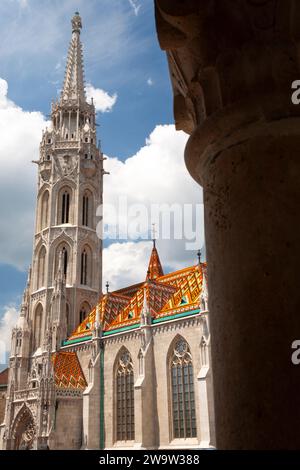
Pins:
x: 41, y: 268
x: 37, y: 327
x: 85, y: 210
x: 84, y: 311
x: 124, y: 384
x: 65, y: 260
x: 44, y: 210
x: 183, y: 395
x: 84, y: 267
x: 86, y: 270
x: 65, y: 207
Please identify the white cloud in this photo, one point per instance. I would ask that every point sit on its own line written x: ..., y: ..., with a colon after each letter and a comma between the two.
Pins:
x: 21, y: 133
x: 7, y: 322
x: 135, y: 6
x: 102, y: 100
x: 150, y: 81
x: 125, y: 264
x: 155, y: 175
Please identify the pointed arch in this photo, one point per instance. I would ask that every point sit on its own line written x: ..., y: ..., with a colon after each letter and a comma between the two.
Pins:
x: 37, y: 326
x: 124, y: 396
x: 86, y: 266
x: 41, y: 268
x: 44, y: 210
x: 23, y: 430
x: 87, y: 208
x: 84, y: 311
x: 181, y: 389
x: 64, y: 206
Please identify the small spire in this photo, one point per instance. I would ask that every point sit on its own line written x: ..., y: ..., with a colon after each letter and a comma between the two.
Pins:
x: 199, y: 256
x: 107, y: 287
x: 154, y: 268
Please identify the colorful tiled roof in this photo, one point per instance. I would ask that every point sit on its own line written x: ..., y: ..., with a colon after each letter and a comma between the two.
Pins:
x: 154, y: 268
x: 67, y: 371
x: 167, y: 295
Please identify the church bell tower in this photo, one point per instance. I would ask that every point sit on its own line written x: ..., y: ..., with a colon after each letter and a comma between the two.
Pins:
x: 67, y: 253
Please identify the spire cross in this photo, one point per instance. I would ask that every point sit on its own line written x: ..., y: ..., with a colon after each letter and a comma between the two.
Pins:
x: 199, y: 256
x: 107, y: 287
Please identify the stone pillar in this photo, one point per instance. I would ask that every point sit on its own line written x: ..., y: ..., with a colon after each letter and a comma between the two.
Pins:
x: 231, y: 69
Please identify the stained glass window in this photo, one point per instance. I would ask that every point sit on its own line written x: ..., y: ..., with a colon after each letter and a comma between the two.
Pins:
x: 125, y: 398
x: 183, y: 395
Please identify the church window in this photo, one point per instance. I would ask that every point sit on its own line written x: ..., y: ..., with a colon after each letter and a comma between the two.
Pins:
x: 41, y: 268
x: 84, y: 267
x: 84, y: 311
x: 86, y: 139
x: 92, y: 141
x: 182, y: 391
x: 91, y: 157
x: 65, y: 210
x: 124, y: 398
x: 44, y: 210
x: 82, y: 314
x: 85, y: 210
x: 86, y: 156
x: 49, y: 141
x: 65, y: 260
x: 48, y: 157
x: 67, y: 136
x: 37, y: 329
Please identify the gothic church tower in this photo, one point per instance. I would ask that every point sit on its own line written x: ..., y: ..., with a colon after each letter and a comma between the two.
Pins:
x: 69, y: 191
x: 65, y: 280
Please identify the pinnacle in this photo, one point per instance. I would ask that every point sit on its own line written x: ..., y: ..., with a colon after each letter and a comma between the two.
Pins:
x: 73, y: 89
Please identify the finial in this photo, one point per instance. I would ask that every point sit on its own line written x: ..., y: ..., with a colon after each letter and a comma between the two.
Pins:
x: 107, y: 287
x: 153, y: 235
x: 199, y: 256
x: 76, y: 23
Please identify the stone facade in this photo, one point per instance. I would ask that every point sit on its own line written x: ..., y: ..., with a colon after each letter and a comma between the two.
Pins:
x: 128, y: 369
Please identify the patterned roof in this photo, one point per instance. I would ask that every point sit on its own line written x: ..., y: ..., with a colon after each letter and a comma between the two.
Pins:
x: 155, y: 268
x: 166, y: 294
x: 67, y: 371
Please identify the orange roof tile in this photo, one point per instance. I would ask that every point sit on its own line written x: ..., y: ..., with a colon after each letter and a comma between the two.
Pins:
x: 155, y: 268
x: 67, y: 371
x: 167, y: 294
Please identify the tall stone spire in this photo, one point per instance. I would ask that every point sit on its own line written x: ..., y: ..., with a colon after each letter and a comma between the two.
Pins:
x: 73, y: 89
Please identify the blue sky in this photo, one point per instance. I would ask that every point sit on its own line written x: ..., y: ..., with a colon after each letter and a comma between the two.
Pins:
x: 121, y: 54
x: 145, y: 153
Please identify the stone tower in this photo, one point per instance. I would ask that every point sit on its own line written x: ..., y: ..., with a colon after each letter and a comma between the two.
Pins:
x: 65, y: 280
x: 69, y: 191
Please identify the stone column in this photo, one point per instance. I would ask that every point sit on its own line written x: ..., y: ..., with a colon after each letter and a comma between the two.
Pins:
x: 231, y: 69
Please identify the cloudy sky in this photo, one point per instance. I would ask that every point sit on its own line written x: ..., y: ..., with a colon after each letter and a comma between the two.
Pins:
x: 127, y: 75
